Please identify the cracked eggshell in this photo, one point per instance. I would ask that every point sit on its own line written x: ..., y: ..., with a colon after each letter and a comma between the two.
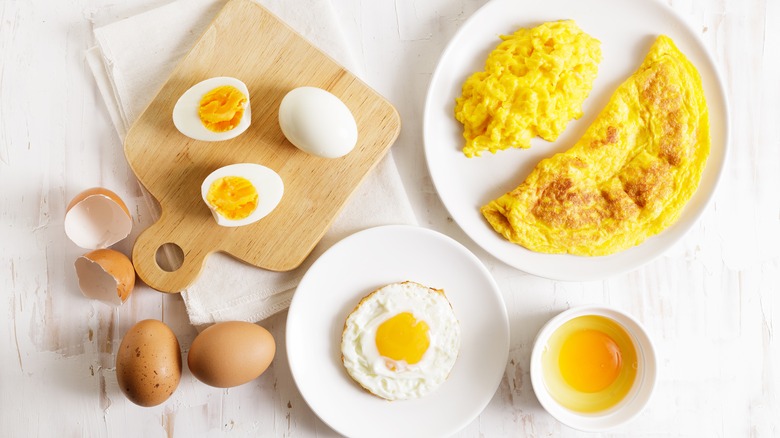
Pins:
x: 105, y: 275
x: 97, y: 218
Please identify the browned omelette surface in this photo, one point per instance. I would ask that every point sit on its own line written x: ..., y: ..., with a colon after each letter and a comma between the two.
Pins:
x: 628, y: 177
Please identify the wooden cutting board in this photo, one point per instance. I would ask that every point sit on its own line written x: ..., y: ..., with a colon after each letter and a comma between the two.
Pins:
x: 247, y: 42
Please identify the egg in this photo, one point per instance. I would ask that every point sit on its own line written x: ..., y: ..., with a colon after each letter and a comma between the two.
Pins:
x: 401, y: 341
x: 97, y: 218
x: 589, y: 364
x: 148, y: 363
x: 241, y: 194
x: 628, y: 177
x: 317, y: 122
x: 232, y: 353
x: 105, y: 275
x: 533, y: 84
x: 213, y: 110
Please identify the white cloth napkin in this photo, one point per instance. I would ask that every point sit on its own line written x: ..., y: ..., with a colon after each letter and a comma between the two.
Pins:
x: 132, y: 59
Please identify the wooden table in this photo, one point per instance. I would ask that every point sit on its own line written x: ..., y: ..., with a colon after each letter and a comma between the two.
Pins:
x: 711, y: 303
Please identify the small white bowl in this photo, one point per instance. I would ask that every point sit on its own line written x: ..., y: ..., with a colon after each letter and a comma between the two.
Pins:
x: 637, y: 397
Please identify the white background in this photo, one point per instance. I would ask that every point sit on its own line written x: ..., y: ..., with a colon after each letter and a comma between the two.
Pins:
x: 710, y: 303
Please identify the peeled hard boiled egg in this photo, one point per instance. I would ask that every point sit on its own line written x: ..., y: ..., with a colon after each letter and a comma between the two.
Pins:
x: 241, y: 194
x: 317, y: 122
x: 105, y: 275
x: 213, y: 110
x: 97, y: 218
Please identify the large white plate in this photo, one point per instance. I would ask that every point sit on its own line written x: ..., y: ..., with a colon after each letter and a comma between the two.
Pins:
x: 627, y: 29
x: 353, y: 268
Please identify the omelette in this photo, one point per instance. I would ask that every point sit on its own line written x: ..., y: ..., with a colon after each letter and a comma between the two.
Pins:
x: 533, y: 84
x: 628, y: 177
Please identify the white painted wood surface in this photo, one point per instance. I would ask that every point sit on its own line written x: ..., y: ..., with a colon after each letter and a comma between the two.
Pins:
x: 711, y: 303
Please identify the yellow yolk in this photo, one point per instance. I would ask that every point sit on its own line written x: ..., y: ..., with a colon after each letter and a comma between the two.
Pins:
x: 590, y: 364
x: 233, y: 197
x: 221, y: 109
x: 403, y: 338
x: 590, y: 361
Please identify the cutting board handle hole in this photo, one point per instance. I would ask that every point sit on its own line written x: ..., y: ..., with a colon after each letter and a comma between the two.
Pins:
x: 169, y: 257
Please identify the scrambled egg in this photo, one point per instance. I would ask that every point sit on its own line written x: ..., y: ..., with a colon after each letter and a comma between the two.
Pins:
x: 534, y: 83
x: 628, y: 177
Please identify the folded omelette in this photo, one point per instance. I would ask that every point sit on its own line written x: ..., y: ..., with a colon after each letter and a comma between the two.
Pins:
x: 628, y: 177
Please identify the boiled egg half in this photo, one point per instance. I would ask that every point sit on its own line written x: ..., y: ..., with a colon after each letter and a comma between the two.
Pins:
x: 213, y: 110
x: 241, y: 194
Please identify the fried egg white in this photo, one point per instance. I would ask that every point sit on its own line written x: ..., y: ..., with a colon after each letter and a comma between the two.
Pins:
x: 401, y: 341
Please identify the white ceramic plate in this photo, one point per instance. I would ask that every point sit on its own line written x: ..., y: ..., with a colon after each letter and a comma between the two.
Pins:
x: 626, y: 29
x: 353, y: 268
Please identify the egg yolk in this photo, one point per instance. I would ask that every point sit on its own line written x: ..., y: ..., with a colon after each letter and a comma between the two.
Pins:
x: 403, y: 338
x: 221, y: 109
x: 233, y: 197
x: 590, y: 360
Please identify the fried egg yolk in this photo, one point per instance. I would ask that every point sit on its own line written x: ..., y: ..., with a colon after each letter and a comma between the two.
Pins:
x: 233, y: 197
x: 221, y: 109
x: 402, y: 338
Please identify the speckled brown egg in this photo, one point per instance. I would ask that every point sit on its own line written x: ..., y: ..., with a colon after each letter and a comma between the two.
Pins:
x: 148, y: 363
x: 231, y: 353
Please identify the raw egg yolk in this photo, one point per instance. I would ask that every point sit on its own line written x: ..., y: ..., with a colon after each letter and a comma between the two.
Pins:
x: 403, y: 337
x: 233, y: 197
x: 222, y: 108
x: 590, y: 360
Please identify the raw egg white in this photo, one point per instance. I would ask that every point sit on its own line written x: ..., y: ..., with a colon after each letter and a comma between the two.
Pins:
x: 241, y: 194
x: 401, y: 341
x: 213, y: 110
x: 589, y: 364
x: 317, y: 122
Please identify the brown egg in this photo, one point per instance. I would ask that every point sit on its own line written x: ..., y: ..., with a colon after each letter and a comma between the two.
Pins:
x: 148, y: 363
x: 97, y: 218
x: 231, y: 353
x: 105, y: 275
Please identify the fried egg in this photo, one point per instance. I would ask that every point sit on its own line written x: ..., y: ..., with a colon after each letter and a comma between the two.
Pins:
x: 401, y: 341
x: 628, y: 177
x: 534, y: 83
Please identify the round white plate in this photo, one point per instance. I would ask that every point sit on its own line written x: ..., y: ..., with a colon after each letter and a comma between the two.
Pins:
x: 626, y: 29
x: 355, y: 267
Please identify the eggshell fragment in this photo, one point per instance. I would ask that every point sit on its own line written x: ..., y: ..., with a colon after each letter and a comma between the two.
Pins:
x: 148, y: 363
x: 105, y: 275
x: 97, y: 218
x: 317, y: 122
x: 231, y: 353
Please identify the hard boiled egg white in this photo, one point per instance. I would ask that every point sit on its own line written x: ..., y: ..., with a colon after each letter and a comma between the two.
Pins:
x: 213, y: 110
x: 401, y: 341
x: 241, y: 194
x: 317, y: 122
x: 589, y: 364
